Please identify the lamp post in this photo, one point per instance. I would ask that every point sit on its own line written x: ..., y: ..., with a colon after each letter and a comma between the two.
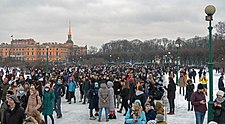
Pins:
x: 177, y: 46
x: 47, y: 47
x: 110, y: 58
x: 210, y: 10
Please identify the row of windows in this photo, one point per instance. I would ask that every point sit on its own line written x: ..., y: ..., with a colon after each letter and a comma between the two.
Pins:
x: 32, y: 49
x: 32, y: 53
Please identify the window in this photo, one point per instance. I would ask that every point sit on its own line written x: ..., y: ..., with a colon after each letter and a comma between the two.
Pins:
x: 56, y: 48
x: 32, y: 53
x: 56, y: 53
x: 27, y: 53
x: 32, y: 48
x: 50, y: 53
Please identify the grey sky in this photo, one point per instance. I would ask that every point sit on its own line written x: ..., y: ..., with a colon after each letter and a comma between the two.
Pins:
x: 95, y: 22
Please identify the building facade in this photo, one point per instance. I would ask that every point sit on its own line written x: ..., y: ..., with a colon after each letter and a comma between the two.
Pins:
x: 31, y: 50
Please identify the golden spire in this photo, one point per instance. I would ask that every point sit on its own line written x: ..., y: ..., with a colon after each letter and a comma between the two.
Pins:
x: 69, y: 33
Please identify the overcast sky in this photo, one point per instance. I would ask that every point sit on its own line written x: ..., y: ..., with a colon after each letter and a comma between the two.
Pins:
x: 95, y: 22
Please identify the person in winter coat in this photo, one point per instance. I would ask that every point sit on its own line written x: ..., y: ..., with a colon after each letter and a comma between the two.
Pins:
x: 194, y: 74
x: 59, y: 91
x: 72, y: 88
x: 103, y: 101
x: 34, y: 101
x: 199, y: 101
x: 221, y: 84
x: 93, y: 99
x: 125, y: 96
x: 14, y: 114
x: 159, y: 108
x: 182, y: 83
x: 117, y: 90
x: 111, y: 100
x: 149, y: 112
x: 4, y: 87
x: 48, y: 103
x: 22, y: 97
x: 135, y: 115
x: 86, y: 89
x: 4, y: 105
x: 204, y: 82
x: 141, y: 96
x: 219, y: 108
x: 171, y: 89
x: 189, y: 90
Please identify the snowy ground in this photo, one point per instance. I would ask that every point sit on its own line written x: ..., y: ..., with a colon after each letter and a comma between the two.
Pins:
x: 77, y: 113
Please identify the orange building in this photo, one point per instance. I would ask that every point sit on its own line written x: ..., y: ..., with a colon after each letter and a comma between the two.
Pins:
x: 30, y: 50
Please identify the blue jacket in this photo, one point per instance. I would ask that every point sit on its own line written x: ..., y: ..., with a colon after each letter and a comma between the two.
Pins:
x: 72, y: 86
x: 150, y: 115
x: 129, y: 119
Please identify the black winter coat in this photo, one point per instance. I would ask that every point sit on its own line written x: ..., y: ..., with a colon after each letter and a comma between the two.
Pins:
x: 125, y: 94
x: 221, y: 118
x: 171, y: 90
x: 93, y: 98
x: 189, y: 90
x: 15, y: 116
x: 117, y: 85
x: 221, y: 85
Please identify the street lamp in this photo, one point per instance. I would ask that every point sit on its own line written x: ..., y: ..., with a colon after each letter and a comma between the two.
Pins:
x: 177, y: 46
x: 47, y: 47
x: 110, y: 58
x: 210, y: 10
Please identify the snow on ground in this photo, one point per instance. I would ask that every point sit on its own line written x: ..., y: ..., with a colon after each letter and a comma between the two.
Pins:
x: 77, y: 113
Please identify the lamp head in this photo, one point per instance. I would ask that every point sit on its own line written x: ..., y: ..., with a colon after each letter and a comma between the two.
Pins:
x: 210, y: 10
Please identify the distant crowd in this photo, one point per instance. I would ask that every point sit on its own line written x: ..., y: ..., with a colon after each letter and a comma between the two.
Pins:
x: 137, y: 92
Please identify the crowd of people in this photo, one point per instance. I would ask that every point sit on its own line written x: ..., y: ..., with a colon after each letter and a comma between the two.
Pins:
x: 139, y: 90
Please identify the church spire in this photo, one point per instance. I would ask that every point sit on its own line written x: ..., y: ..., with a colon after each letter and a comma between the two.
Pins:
x: 70, y: 32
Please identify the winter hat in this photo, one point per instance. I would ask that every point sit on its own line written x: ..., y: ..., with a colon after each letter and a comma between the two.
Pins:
x: 212, y: 122
x: 147, y: 103
x: 151, y: 122
x: 220, y: 93
x: 200, y: 86
x: 110, y: 84
x: 159, y: 117
x: 14, y: 98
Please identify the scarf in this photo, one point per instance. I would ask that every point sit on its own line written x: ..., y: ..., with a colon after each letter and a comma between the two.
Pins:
x: 220, y: 100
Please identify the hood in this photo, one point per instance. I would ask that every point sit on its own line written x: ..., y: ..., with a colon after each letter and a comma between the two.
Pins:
x: 137, y: 101
x: 138, y: 92
x: 103, y: 85
x: 110, y: 84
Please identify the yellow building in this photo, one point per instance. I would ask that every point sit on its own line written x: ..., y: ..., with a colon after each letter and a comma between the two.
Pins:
x: 30, y: 50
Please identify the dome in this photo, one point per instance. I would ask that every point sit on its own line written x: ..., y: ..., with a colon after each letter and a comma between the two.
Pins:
x: 69, y: 41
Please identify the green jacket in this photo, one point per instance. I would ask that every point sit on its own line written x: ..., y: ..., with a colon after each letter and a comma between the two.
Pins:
x: 48, y: 102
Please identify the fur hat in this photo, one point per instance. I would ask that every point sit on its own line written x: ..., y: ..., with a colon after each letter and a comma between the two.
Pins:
x: 220, y: 93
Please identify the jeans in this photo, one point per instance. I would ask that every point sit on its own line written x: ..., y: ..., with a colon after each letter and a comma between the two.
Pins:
x: 117, y: 100
x: 58, y: 106
x: 199, y: 117
x: 172, y: 105
x: 106, y: 113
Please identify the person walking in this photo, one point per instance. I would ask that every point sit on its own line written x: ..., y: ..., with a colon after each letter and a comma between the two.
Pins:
x: 171, y: 89
x: 103, y: 101
x: 48, y: 103
x: 219, y: 108
x: 93, y: 99
x: 189, y: 90
x: 204, y: 82
x: 199, y: 101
